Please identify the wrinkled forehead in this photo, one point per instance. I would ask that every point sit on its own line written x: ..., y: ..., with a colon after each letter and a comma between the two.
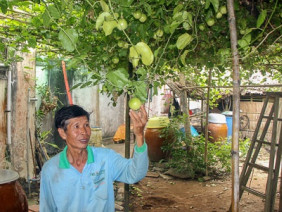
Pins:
x: 79, y: 119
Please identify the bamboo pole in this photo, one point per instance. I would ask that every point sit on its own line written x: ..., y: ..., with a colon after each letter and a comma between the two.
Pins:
x: 228, y: 86
x: 127, y: 141
x: 206, y: 128
x: 236, y: 107
x: 127, y: 151
x: 185, y: 109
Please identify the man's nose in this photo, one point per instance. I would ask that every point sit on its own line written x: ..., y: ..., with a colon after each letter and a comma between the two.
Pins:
x: 83, y: 130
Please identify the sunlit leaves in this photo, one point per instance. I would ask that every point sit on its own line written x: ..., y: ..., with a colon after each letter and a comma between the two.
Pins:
x: 261, y: 18
x: 4, y: 6
x: 118, y: 78
x: 68, y: 39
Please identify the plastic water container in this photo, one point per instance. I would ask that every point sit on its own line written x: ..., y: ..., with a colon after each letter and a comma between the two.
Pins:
x: 229, y: 120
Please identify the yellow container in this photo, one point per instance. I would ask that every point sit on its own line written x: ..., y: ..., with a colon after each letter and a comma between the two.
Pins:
x: 158, y: 122
x: 96, y: 137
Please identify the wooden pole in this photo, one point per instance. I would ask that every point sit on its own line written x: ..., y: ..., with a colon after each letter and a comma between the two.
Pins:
x: 127, y: 141
x: 184, y: 107
x: 206, y: 126
x: 236, y: 107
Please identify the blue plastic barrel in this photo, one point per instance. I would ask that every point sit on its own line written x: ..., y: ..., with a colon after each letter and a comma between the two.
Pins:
x: 229, y: 120
x: 194, y: 132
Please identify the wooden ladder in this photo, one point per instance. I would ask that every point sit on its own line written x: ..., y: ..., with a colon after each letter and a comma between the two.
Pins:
x: 275, y: 152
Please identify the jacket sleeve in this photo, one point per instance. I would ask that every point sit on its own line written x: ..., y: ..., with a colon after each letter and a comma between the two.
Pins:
x: 130, y: 170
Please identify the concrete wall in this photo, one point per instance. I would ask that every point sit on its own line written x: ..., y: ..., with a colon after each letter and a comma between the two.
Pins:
x: 23, y: 114
x: 103, y: 113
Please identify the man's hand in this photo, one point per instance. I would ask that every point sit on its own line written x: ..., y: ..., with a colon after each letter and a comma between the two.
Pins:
x: 139, y: 121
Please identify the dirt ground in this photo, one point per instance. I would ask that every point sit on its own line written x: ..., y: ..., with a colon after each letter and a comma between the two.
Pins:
x: 158, y: 192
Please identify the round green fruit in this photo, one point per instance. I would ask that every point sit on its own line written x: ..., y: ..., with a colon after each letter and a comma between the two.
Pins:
x: 223, y: 10
x: 210, y: 22
x: 202, y: 27
x: 115, y: 60
x: 218, y: 15
x: 134, y: 103
x: 143, y: 18
x: 137, y: 14
x: 122, y: 24
x: 159, y: 33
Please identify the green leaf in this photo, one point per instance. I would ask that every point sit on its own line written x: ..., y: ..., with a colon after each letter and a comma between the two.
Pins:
x: 248, y: 38
x: 207, y: 5
x: 183, y: 56
x: 104, y: 6
x: 243, y: 43
x: 118, y: 78
x: 148, y: 9
x: 183, y: 40
x: 4, y: 6
x: 54, y: 12
x: 101, y: 19
x: 215, y: 4
x: 46, y: 19
x: 68, y: 39
x: 177, y: 9
x: 140, y: 90
x: 261, y: 18
x: 108, y: 27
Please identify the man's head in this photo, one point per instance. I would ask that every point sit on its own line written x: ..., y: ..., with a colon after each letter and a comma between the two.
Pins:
x: 68, y: 112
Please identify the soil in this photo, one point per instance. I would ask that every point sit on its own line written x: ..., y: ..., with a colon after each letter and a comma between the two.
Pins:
x: 158, y: 192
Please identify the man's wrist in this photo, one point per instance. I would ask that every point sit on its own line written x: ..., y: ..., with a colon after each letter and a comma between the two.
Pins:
x: 139, y: 140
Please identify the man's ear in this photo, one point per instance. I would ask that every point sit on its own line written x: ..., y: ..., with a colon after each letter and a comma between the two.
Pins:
x: 62, y: 133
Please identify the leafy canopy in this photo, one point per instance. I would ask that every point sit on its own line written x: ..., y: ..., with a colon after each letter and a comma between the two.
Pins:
x: 156, y: 39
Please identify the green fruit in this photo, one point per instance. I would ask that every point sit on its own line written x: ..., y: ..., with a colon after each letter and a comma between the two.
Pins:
x: 115, y: 60
x: 134, y: 103
x: 122, y: 24
x: 210, y: 22
x: 223, y: 10
x: 146, y: 53
x: 143, y: 18
x: 202, y: 27
x: 218, y: 15
x: 121, y: 43
x: 159, y: 33
x: 137, y: 14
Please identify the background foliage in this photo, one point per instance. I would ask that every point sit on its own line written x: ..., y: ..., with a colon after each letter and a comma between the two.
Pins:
x: 156, y: 39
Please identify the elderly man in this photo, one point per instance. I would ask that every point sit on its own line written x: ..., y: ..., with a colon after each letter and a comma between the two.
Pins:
x: 80, y: 178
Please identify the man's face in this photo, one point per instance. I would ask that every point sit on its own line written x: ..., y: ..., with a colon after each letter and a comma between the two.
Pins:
x: 78, y: 132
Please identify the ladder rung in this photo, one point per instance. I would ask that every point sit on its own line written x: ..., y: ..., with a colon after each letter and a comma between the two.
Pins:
x: 265, y: 142
x: 271, y: 118
x: 254, y: 192
x: 264, y: 168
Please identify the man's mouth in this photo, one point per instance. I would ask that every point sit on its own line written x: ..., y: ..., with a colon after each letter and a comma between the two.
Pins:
x: 84, y: 141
